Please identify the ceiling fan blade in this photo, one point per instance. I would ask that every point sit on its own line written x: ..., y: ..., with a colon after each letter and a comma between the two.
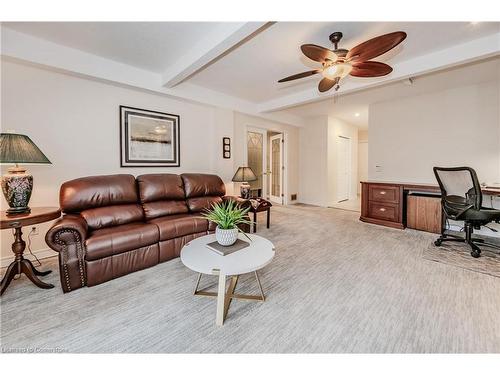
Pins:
x: 326, y: 84
x: 370, y: 69
x: 376, y: 46
x: 299, y: 75
x: 318, y: 53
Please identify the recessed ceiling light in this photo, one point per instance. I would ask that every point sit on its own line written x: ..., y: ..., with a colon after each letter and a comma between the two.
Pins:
x: 356, y: 114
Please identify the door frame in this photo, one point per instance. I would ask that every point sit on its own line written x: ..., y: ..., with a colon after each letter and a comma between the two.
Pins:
x: 349, y: 163
x: 257, y: 128
x: 277, y: 199
x: 364, y: 141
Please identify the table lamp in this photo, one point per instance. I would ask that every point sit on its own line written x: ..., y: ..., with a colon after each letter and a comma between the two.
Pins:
x: 17, y: 185
x: 244, y: 175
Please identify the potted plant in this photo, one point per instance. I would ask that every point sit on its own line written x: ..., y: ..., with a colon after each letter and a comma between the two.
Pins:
x: 227, y: 215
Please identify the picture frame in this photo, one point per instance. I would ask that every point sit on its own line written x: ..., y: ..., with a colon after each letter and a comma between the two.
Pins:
x: 226, y: 147
x: 149, y: 138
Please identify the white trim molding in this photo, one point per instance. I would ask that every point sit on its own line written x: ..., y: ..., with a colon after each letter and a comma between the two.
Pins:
x: 28, y: 49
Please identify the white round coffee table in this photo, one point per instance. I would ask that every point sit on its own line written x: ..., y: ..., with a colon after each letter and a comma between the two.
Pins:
x: 197, y: 257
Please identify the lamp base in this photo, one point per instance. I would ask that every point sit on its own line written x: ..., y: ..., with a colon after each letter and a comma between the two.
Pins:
x: 17, y: 211
x: 245, y: 190
x: 17, y: 186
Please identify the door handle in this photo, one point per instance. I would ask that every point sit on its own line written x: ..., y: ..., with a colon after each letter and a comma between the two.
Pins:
x: 382, y: 209
x: 382, y: 193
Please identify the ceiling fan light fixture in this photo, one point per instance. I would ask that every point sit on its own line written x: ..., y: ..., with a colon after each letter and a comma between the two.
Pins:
x: 339, y: 70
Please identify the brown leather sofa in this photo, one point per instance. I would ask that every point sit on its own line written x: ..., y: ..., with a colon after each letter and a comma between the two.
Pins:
x: 117, y: 224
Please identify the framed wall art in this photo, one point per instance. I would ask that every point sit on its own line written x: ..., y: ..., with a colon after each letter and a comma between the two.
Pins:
x: 226, y: 148
x: 149, y: 138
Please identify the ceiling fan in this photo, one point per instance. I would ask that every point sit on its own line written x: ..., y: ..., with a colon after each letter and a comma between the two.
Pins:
x: 339, y: 62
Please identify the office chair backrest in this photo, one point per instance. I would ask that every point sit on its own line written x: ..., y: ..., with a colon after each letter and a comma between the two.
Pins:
x: 460, y: 188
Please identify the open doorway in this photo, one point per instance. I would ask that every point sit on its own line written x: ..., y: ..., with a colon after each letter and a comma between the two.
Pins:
x: 266, y: 156
x: 351, y: 168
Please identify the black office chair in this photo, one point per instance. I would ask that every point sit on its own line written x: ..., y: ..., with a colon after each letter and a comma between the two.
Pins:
x: 461, y: 199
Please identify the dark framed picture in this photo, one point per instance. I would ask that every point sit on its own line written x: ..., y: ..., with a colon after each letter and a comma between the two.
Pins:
x: 149, y: 138
x: 226, y: 147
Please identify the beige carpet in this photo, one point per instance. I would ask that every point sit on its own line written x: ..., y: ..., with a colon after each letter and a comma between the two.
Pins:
x: 335, y: 285
x: 457, y: 254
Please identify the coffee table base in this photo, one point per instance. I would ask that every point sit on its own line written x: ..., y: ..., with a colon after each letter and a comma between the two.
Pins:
x: 224, y: 298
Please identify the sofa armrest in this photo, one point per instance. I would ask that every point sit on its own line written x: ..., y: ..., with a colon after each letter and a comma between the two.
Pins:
x: 67, y: 237
x: 74, y: 224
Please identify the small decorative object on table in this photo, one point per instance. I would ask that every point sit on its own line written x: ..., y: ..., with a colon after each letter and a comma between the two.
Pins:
x: 244, y: 175
x: 226, y: 250
x: 227, y: 215
x: 260, y: 205
x: 17, y: 185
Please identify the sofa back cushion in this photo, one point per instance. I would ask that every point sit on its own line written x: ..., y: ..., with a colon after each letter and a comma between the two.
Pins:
x: 161, y: 194
x: 110, y: 216
x: 102, y: 201
x: 202, y: 190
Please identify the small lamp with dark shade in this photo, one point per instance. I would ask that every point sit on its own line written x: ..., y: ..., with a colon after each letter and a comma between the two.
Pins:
x: 244, y: 175
x: 17, y: 185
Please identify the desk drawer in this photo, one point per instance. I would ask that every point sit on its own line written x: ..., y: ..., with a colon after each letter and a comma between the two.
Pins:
x: 383, y: 211
x: 384, y: 193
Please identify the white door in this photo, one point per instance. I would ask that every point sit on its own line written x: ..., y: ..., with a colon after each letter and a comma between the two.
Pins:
x: 343, y: 168
x: 276, y: 164
x: 256, y: 152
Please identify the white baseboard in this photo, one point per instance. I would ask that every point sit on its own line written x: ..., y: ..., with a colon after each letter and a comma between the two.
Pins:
x: 40, y: 254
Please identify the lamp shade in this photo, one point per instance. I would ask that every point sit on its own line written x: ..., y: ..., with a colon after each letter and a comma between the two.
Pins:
x: 244, y: 174
x: 19, y: 148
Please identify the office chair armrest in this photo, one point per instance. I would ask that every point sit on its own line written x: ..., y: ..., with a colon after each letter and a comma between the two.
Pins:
x: 462, y: 209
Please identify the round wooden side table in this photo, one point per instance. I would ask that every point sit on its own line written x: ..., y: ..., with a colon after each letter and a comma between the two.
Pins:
x: 20, y: 264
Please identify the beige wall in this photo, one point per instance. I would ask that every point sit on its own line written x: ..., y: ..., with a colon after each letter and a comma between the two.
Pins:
x: 362, y: 135
x: 313, y: 163
x: 318, y: 160
x: 75, y: 122
x: 448, y: 128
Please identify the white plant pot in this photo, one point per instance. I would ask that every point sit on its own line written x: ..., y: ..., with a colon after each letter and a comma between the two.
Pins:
x: 226, y: 237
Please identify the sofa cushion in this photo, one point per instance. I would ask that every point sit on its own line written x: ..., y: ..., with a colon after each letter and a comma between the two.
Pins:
x: 174, y: 226
x: 97, y: 191
x: 161, y: 194
x: 202, y: 203
x: 202, y: 190
x: 115, y: 240
x: 203, y: 185
x: 103, y: 217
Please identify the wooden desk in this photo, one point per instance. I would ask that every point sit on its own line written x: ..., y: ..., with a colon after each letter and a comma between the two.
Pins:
x: 385, y: 203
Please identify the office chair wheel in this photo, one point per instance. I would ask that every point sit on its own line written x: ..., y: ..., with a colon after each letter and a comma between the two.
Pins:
x: 475, y: 254
x: 438, y: 242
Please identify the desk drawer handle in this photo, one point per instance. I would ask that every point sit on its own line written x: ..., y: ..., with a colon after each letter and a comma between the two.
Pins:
x: 382, y: 193
x: 382, y: 209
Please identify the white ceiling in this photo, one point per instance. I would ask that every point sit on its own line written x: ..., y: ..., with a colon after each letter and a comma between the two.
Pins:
x: 345, y: 107
x: 237, y: 65
x: 251, y: 72
x: 147, y: 45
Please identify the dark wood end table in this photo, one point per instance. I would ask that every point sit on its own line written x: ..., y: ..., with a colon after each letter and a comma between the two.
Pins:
x: 260, y: 205
x: 20, y: 264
